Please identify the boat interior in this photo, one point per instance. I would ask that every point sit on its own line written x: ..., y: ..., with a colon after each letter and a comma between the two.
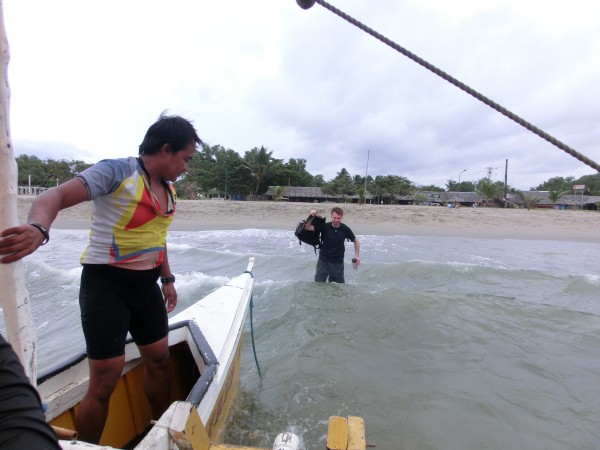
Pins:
x: 192, y: 364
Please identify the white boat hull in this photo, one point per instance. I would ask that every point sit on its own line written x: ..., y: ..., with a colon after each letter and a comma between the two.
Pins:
x: 205, y: 342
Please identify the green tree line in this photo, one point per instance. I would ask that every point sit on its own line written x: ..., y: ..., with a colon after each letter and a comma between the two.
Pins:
x: 36, y: 172
x: 216, y: 170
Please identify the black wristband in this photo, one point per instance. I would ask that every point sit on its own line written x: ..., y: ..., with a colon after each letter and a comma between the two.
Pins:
x: 165, y: 280
x: 43, y: 230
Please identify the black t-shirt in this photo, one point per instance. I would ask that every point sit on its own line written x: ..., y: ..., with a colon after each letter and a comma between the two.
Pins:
x: 333, y: 248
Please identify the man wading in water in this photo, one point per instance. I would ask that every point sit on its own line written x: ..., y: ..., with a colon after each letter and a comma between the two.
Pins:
x: 333, y: 236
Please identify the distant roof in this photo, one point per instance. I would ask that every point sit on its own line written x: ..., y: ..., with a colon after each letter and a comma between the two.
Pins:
x: 566, y: 199
x: 443, y: 197
x: 300, y: 192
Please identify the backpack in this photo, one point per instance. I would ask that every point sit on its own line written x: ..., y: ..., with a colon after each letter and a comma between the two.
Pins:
x: 308, y: 237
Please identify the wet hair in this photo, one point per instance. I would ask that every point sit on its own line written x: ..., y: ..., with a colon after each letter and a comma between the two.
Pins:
x: 338, y: 210
x: 173, y: 130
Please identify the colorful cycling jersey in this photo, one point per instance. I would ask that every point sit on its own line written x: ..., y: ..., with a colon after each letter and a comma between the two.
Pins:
x: 128, y: 228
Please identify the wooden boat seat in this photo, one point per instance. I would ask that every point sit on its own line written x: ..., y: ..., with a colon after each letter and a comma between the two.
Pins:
x: 346, y: 433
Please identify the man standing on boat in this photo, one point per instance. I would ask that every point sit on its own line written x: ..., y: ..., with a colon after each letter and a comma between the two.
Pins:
x: 331, y: 255
x: 133, y: 206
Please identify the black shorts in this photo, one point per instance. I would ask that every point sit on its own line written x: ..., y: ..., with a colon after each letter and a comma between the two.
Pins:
x: 115, y: 301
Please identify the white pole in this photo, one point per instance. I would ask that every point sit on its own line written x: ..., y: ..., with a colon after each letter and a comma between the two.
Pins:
x: 458, y: 196
x: 20, y: 328
x: 367, y: 172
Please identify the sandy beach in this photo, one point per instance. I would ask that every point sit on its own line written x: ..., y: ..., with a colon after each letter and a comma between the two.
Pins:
x: 492, y: 223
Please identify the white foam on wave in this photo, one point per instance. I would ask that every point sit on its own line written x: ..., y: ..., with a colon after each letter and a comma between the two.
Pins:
x: 591, y: 278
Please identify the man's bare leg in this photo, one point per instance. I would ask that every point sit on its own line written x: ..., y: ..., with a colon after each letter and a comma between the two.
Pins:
x: 157, y: 375
x: 93, y: 409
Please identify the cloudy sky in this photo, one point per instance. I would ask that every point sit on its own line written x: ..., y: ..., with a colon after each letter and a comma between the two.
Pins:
x: 89, y: 77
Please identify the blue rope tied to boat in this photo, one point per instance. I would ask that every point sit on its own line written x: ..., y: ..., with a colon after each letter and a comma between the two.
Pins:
x: 252, y: 334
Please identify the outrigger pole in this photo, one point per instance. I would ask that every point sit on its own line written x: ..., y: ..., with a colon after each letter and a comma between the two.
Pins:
x: 306, y: 4
x: 14, y: 299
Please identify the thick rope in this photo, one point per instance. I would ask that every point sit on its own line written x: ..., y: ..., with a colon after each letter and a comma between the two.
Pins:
x: 463, y: 86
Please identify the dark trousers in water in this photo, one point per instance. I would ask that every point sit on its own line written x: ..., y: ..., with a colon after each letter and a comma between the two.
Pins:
x: 335, y: 272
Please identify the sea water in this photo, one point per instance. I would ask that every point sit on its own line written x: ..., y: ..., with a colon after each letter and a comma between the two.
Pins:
x: 438, y: 343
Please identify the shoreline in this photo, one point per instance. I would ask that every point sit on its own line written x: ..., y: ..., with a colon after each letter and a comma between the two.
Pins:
x: 409, y: 220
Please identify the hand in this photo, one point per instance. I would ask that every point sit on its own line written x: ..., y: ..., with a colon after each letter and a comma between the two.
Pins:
x: 18, y: 242
x: 313, y: 212
x: 356, y: 262
x: 170, y: 296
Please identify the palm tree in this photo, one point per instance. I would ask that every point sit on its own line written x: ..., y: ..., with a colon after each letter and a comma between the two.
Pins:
x: 343, y: 184
x: 277, y: 193
x: 419, y: 197
x: 529, y: 199
x: 555, y: 196
x: 487, y: 189
x: 361, y: 195
x: 260, y: 163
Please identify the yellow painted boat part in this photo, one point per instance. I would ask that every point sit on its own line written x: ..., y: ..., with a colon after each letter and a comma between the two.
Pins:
x: 346, y: 433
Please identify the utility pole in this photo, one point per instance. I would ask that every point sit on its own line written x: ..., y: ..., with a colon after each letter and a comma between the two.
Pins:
x: 367, y: 174
x: 506, y: 184
x: 367, y: 170
x: 458, y: 195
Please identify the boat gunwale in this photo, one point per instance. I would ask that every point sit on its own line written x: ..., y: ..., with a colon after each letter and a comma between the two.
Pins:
x: 197, y: 344
x: 206, y: 352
